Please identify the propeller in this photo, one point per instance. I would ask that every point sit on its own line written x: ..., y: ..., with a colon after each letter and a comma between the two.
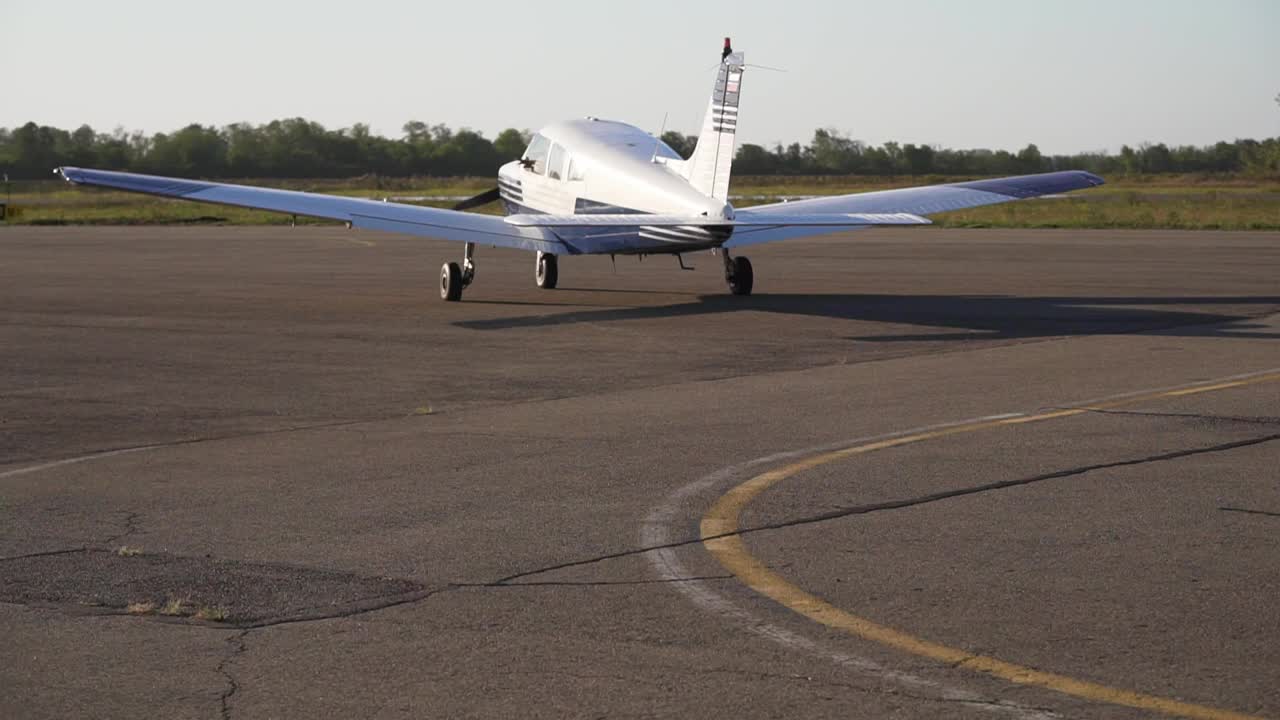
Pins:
x: 483, y: 198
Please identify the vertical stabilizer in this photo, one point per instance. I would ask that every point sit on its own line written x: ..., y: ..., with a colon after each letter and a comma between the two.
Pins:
x: 708, y: 169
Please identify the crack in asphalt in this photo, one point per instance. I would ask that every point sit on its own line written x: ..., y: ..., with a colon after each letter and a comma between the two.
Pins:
x: 1003, y: 484
x: 1251, y: 420
x: 360, y: 608
x: 1267, y: 513
x: 45, y: 553
x: 383, y: 603
x: 590, y: 583
x: 238, y: 647
x: 900, y: 504
x: 42, y: 463
x: 130, y: 527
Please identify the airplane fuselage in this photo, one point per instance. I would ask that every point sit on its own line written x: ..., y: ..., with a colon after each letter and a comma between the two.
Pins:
x: 592, y: 166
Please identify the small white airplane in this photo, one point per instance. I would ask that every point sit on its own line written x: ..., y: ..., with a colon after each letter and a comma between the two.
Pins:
x: 592, y: 186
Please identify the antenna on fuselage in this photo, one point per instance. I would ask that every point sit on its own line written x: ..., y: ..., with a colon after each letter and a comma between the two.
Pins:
x: 658, y: 138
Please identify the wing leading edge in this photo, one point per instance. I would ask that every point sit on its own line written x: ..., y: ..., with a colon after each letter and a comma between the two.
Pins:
x: 925, y: 200
x: 359, y: 212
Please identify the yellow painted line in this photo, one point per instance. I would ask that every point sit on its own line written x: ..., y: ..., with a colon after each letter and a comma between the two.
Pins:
x: 1207, y: 388
x: 720, y: 535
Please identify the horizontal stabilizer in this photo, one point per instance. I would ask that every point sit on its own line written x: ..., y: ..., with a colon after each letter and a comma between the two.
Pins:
x: 754, y: 220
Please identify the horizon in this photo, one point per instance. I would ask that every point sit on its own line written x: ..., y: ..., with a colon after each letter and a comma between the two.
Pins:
x: 803, y: 142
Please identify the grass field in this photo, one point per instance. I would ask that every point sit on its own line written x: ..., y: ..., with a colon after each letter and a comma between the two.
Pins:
x: 1176, y: 202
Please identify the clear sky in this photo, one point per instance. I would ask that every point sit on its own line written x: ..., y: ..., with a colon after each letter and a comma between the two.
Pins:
x: 1069, y: 76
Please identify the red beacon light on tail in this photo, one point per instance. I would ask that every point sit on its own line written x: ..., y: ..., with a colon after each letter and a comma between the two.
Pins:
x: 728, y: 50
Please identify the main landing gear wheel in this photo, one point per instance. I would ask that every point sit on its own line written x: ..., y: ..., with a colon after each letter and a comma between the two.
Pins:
x: 451, y: 282
x: 546, y: 273
x: 454, y: 277
x: 737, y: 273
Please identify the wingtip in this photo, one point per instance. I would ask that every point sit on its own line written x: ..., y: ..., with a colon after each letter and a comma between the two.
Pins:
x: 73, y: 175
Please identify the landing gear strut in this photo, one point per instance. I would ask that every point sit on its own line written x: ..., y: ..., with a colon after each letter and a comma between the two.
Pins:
x: 737, y: 273
x: 546, y: 272
x: 454, y: 277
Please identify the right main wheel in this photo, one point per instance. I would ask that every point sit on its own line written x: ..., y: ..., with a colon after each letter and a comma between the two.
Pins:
x: 741, y: 280
x: 546, y: 272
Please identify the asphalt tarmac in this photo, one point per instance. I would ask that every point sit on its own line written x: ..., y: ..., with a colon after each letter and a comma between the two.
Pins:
x: 266, y: 472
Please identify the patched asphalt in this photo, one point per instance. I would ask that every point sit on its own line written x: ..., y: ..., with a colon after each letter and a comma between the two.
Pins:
x: 150, y: 584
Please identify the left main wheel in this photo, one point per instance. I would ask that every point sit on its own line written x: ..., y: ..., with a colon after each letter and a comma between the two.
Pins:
x: 451, y: 282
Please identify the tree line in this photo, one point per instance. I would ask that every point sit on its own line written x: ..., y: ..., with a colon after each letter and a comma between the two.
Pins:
x: 299, y: 148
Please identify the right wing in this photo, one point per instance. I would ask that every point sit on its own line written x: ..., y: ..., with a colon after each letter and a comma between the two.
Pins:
x: 359, y: 212
x: 917, y: 201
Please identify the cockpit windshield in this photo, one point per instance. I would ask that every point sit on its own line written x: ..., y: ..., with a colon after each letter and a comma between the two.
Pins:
x: 535, y: 157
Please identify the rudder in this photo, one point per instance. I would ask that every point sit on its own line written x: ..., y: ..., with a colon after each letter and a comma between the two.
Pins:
x: 709, y: 168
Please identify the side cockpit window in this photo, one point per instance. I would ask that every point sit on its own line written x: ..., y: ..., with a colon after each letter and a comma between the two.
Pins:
x: 577, y: 171
x: 556, y: 162
x: 535, y: 157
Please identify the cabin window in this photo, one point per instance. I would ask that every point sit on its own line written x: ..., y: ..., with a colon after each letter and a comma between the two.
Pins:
x: 576, y: 170
x: 555, y: 164
x: 535, y: 156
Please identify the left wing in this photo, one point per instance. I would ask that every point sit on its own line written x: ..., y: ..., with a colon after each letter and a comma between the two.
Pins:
x: 917, y: 200
x: 359, y: 212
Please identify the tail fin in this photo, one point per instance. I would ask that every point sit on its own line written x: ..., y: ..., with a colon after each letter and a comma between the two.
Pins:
x: 708, y: 169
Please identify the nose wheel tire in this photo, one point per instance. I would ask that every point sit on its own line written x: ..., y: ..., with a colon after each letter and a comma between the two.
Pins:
x: 451, y: 282
x: 740, y: 277
x: 546, y: 272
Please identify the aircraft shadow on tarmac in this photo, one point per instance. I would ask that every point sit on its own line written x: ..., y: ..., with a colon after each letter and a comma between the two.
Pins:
x: 968, y: 317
